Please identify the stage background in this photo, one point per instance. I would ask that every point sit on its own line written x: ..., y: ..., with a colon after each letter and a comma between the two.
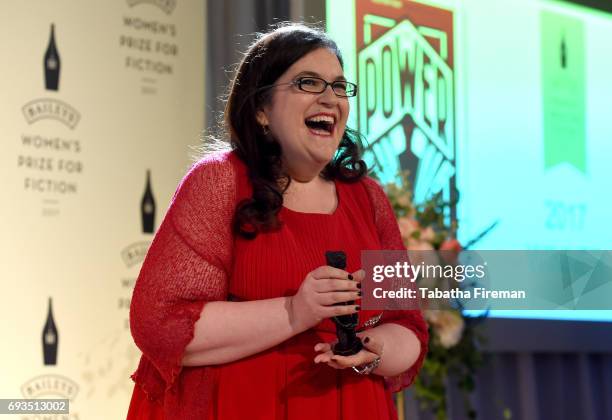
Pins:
x: 525, y: 144
x: 84, y: 249
x: 130, y: 99
x: 500, y: 107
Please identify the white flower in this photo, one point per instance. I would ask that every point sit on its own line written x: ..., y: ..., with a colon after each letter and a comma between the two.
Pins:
x: 447, y: 326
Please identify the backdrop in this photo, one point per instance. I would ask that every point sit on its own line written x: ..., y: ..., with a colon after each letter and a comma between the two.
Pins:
x: 99, y: 103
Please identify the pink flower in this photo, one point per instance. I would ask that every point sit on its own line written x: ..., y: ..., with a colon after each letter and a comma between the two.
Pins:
x: 451, y: 248
x: 428, y: 234
x: 421, y: 252
x: 451, y: 245
x: 419, y: 245
x: 407, y: 227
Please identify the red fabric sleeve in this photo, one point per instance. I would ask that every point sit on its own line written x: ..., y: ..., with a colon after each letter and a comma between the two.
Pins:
x: 187, y: 265
x: 413, y: 320
x: 390, y: 239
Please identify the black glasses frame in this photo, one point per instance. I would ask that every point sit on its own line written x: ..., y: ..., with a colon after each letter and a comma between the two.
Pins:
x: 298, y: 82
x: 347, y: 85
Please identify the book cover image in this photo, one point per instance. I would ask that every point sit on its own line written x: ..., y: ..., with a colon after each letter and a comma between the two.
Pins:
x: 405, y: 72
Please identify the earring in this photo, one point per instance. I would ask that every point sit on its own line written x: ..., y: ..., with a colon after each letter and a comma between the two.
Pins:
x: 265, y: 130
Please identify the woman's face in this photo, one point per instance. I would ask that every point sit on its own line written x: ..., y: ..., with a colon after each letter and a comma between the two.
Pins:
x: 291, y: 112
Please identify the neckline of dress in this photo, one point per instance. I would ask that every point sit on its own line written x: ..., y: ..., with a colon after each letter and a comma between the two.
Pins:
x: 333, y: 213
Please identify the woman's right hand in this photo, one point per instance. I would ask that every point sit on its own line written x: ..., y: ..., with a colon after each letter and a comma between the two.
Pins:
x: 320, y: 290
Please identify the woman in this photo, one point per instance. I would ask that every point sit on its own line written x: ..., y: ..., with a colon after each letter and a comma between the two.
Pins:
x: 232, y: 309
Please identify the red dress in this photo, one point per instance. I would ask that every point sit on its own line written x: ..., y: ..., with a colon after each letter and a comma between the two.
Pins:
x: 282, y: 382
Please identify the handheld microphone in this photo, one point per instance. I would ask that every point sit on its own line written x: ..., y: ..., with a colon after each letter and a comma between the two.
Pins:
x: 348, y: 342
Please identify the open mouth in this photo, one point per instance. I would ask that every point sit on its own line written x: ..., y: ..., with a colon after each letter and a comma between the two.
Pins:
x: 322, y: 125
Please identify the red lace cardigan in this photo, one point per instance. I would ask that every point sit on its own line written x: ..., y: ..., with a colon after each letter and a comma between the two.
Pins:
x: 189, y: 263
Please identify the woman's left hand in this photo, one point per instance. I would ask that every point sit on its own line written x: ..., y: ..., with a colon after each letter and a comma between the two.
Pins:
x: 372, y: 349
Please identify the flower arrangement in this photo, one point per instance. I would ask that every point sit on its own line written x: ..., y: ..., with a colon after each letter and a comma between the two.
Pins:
x: 454, y: 344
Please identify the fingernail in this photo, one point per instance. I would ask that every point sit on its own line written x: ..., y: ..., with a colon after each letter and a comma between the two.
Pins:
x: 366, y: 340
x: 350, y: 277
x: 359, y: 293
x: 359, y: 285
x: 357, y: 307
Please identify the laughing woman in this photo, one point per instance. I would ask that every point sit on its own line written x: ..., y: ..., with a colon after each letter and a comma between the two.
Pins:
x: 232, y: 309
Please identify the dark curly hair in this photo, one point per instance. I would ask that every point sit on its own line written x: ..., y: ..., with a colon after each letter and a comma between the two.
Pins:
x: 263, y: 63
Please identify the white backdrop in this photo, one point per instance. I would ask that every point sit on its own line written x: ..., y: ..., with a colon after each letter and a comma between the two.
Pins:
x: 73, y: 169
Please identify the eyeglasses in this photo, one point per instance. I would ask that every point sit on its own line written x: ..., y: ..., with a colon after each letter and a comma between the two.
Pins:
x: 310, y: 84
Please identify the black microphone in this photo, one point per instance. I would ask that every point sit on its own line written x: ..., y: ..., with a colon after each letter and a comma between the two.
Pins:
x: 348, y: 342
